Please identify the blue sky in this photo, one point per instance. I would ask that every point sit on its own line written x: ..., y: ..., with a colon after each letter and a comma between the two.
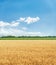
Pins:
x: 42, y: 15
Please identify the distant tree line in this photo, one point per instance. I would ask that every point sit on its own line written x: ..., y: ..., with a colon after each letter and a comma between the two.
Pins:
x: 28, y: 37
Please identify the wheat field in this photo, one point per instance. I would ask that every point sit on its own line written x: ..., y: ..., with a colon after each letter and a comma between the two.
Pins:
x: 27, y: 52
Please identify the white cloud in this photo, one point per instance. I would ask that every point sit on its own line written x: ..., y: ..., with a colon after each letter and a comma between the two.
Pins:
x: 14, y: 23
x: 32, y: 20
x: 22, y: 19
x: 17, y: 32
x: 3, y: 24
x: 32, y: 34
x: 10, y: 32
x: 9, y: 28
x: 29, y: 20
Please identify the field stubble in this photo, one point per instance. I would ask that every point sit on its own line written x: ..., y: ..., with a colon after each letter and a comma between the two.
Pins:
x: 28, y: 52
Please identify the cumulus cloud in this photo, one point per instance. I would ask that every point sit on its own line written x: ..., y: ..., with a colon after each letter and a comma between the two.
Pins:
x: 18, y: 32
x: 29, y: 20
x: 10, y: 32
x: 14, y: 23
x: 3, y: 24
x: 11, y: 28
x: 22, y: 19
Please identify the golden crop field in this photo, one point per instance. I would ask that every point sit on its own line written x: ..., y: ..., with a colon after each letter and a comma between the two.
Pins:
x: 27, y: 52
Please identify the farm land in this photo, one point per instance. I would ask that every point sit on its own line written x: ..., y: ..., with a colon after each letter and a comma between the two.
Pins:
x: 27, y: 52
